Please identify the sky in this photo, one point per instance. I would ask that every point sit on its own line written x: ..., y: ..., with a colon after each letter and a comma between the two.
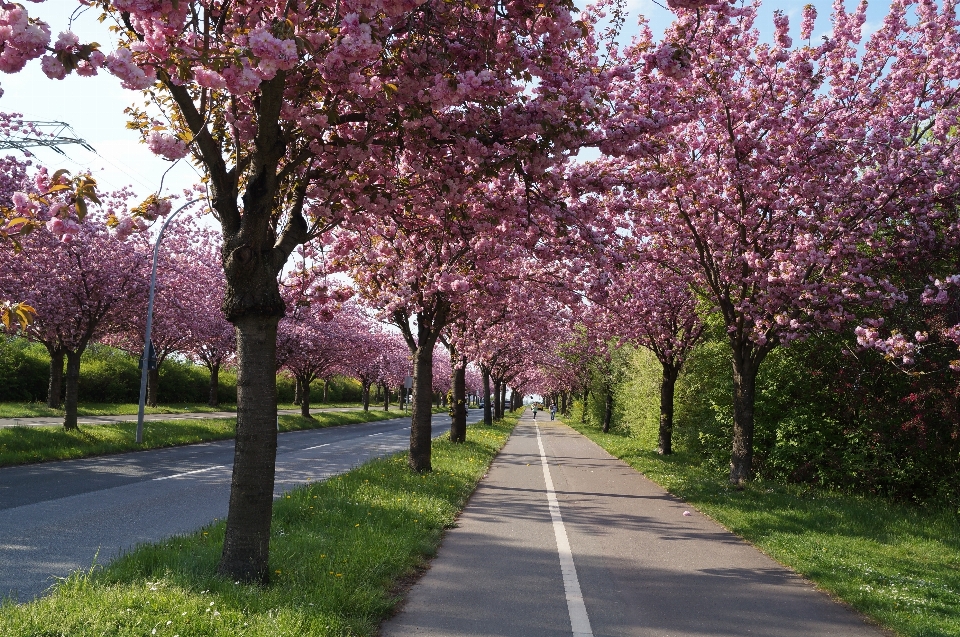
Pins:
x: 93, y: 107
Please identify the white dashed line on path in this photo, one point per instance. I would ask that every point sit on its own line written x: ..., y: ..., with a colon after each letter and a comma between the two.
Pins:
x: 326, y: 444
x: 579, y: 620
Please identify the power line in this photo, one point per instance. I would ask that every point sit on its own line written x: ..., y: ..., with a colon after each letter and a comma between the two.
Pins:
x: 52, y: 140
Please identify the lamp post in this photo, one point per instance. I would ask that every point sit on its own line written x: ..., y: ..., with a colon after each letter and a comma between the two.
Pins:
x: 144, y: 362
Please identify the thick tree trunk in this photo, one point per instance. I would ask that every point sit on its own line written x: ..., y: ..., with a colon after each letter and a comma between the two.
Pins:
x: 667, y: 385
x: 608, y: 410
x: 744, y: 394
x: 153, y: 386
x: 55, y: 384
x: 246, y: 545
x: 73, y: 390
x: 386, y: 397
x: 487, y: 407
x: 366, y: 396
x: 305, y: 398
x: 458, y: 425
x: 586, y: 402
x: 214, y: 399
x: 421, y: 415
x: 563, y: 403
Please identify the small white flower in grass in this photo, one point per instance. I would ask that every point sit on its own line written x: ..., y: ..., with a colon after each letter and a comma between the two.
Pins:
x: 169, y: 621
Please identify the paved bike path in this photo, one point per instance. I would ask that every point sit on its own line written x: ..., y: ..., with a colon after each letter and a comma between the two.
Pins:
x: 615, y: 556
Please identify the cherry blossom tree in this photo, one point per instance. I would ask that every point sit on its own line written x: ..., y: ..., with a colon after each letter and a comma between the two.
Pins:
x: 82, y: 290
x: 648, y: 305
x: 784, y: 166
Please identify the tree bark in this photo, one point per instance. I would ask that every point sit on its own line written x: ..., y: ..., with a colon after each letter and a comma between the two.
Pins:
x: 458, y: 425
x: 503, y: 398
x: 386, y: 397
x: 214, y: 399
x: 246, y: 545
x: 366, y: 395
x: 487, y: 407
x: 55, y: 384
x: 608, y: 410
x: 744, y: 395
x: 421, y: 415
x: 563, y: 403
x: 73, y: 389
x: 497, y: 413
x: 668, y: 383
x: 153, y: 385
x: 305, y: 398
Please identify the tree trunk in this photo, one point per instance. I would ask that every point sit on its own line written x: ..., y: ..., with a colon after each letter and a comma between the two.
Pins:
x: 305, y: 398
x: 421, y: 414
x: 667, y: 385
x: 246, y: 545
x: 73, y: 389
x: 366, y: 395
x: 214, y: 399
x: 487, y: 407
x: 386, y: 397
x: 608, y: 410
x: 297, y: 391
x: 458, y: 425
x: 55, y: 385
x: 378, y: 397
x: 497, y: 414
x: 744, y: 394
x: 586, y: 399
x: 153, y: 385
x: 563, y: 403
x: 503, y: 398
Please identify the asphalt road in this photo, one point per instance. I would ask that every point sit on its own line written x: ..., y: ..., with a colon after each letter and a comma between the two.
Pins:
x: 57, y: 517
x: 610, y: 553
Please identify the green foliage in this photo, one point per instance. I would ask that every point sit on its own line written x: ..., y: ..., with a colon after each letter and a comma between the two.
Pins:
x: 339, y: 548
x: 24, y: 370
x: 341, y: 390
x: 822, y: 417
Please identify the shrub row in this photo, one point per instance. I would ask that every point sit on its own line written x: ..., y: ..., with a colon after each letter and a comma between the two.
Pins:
x: 825, y: 416
x: 109, y: 375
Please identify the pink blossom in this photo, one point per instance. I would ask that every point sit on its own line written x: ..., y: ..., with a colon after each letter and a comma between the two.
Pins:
x: 120, y: 63
x: 166, y: 145
x: 208, y: 78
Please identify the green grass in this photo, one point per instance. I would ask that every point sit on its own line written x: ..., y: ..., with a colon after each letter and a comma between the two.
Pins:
x: 899, y: 565
x: 339, y: 549
x: 27, y: 410
x: 20, y: 445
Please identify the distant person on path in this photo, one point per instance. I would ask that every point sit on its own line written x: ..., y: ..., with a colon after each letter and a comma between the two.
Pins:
x: 534, y: 411
x: 553, y: 410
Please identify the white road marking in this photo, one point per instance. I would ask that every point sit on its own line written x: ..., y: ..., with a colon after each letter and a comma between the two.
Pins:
x: 188, y: 473
x: 579, y: 620
x: 327, y: 444
x: 379, y: 434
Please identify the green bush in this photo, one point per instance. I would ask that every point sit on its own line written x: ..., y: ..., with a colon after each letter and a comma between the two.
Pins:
x: 24, y: 370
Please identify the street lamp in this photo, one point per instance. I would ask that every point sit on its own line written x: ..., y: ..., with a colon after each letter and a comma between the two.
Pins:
x: 144, y: 362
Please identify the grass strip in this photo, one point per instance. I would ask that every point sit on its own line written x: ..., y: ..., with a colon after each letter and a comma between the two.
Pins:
x: 897, y: 564
x: 339, y: 549
x: 22, y: 445
x: 33, y: 410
